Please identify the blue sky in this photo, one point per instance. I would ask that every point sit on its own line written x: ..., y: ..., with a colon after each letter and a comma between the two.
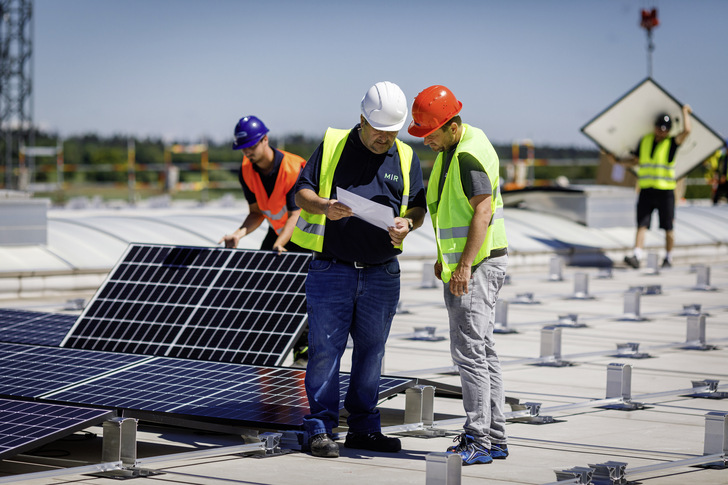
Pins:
x: 187, y: 70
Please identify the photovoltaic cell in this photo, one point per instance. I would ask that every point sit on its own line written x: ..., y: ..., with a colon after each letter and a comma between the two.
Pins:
x: 28, y: 425
x: 214, y: 304
x: 36, y: 328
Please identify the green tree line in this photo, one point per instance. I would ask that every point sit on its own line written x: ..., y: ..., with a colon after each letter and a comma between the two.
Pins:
x: 104, y: 151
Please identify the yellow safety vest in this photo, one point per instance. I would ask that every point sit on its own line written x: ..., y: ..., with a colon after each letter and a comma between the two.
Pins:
x: 452, y: 216
x: 309, y: 230
x: 655, y: 171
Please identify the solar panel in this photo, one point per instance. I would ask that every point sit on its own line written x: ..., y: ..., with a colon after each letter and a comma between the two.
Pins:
x: 214, y: 304
x: 211, y: 390
x: 36, y: 328
x: 28, y: 425
x: 619, y: 128
x: 29, y: 371
x: 194, y: 389
x: 202, y: 389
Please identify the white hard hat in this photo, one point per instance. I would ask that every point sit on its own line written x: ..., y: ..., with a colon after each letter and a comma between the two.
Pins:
x: 384, y: 106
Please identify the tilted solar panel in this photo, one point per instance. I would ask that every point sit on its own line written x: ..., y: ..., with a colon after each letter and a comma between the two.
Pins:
x: 28, y: 425
x: 619, y: 128
x: 36, y: 328
x: 214, y: 304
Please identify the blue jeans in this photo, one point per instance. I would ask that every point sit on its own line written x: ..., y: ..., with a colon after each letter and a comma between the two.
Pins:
x: 472, y: 320
x: 344, y: 300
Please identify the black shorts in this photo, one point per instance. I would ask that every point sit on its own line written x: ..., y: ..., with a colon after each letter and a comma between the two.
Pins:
x: 663, y: 201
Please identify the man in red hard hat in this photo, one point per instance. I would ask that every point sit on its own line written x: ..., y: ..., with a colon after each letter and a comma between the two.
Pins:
x: 464, y: 201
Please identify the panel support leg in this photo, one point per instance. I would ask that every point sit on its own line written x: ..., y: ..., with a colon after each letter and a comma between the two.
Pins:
x: 443, y: 469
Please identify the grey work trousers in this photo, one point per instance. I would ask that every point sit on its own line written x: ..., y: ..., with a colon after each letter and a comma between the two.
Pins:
x: 472, y: 320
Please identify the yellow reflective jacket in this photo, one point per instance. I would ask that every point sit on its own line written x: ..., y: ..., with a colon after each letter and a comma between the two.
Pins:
x: 452, y: 216
x: 655, y: 170
x: 310, y: 228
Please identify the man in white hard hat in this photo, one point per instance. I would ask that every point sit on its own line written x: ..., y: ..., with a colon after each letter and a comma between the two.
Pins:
x: 352, y: 285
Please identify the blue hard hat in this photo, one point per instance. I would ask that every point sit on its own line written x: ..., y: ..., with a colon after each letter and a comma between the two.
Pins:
x: 248, y: 132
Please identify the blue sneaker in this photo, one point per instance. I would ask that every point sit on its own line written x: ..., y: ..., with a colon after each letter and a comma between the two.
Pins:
x: 470, y: 451
x: 498, y: 452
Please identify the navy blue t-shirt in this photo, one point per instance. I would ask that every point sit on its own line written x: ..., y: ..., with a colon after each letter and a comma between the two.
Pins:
x: 269, y: 183
x: 375, y: 177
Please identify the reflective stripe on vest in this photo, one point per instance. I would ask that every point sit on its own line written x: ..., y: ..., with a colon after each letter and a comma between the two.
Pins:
x: 310, y: 228
x: 273, y: 207
x: 655, y: 171
x: 451, y: 218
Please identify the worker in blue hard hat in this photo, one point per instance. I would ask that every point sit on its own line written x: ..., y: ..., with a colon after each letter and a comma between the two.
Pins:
x: 268, y: 177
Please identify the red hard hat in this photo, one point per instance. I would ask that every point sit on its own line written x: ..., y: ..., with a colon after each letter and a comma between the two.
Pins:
x: 432, y: 108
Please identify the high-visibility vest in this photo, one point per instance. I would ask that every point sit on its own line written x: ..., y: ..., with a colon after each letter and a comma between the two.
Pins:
x: 274, y: 207
x: 655, y: 170
x: 451, y: 218
x: 310, y: 228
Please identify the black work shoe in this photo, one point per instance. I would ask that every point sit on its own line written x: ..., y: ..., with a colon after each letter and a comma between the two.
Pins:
x: 666, y: 263
x: 632, y: 261
x: 322, y: 445
x: 373, y: 442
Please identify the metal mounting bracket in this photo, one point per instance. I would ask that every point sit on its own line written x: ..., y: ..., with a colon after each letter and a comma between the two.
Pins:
x: 711, y: 392
x: 630, y: 350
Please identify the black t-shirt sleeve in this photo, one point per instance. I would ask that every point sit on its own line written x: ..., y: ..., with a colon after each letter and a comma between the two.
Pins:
x: 291, y: 197
x: 673, y: 149
x: 309, y: 176
x: 474, y: 178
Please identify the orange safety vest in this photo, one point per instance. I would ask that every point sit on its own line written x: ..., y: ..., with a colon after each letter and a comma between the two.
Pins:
x: 274, y: 207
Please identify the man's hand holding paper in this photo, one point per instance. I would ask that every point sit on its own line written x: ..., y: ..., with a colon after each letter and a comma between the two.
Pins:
x: 365, y: 209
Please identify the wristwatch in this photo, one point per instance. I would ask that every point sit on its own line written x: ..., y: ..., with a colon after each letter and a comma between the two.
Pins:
x: 410, y: 224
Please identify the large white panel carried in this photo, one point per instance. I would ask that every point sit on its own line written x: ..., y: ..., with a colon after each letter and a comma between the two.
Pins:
x: 619, y: 128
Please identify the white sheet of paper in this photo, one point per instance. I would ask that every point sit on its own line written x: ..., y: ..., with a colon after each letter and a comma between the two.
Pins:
x: 372, y: 212
x: 618, y: 172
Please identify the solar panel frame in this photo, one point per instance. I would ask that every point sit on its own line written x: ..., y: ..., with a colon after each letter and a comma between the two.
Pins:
x: 28, y: 425
x: 217, y: 304
x: 36, y: 328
